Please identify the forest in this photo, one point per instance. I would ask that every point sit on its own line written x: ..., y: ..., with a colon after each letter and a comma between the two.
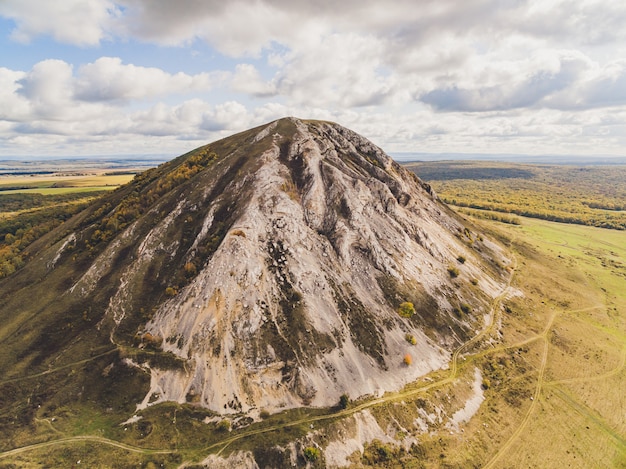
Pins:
x: 584, y: 195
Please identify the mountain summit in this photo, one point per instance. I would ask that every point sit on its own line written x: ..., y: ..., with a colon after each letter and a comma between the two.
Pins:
x: 280, y: 267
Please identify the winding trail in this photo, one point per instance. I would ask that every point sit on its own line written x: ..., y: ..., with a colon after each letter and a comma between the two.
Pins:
x: 535, y: 398
x: 80, y: 439
x: 58, y: 368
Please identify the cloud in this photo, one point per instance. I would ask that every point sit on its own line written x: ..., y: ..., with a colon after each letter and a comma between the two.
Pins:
x: 107, y: 79
x: 341, y: 71
x: 48, y: 83
x: 52, y: 99
x: 601, y: 87
x: 13, y: 107
x: 590, y: 22
x: 525, y: 84
x: 77, y: 22
x: 248, y: 80
x: 438, y: 75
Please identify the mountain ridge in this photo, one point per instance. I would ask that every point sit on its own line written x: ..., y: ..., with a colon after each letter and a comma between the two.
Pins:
x: 260, y: 272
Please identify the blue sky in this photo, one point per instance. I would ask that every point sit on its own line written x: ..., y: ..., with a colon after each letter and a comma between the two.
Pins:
x: 107, y: 77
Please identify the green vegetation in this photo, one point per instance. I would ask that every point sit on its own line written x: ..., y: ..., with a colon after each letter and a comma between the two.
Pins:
x: 378, y: 453
x: 223, y: 426
x: 411, y: 339
x: 453, y: 271
x: 24, y: 218
x: 311, y: 453
x: 585, y: 195
x: 406, y: 309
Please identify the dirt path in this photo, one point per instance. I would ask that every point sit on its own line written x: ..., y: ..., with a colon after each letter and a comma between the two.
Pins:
x: 58, y: 368
x: 80, y: 439
x: 534, y: 399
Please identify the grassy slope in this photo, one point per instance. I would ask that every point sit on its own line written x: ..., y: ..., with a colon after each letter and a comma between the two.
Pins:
x: 576, y: 301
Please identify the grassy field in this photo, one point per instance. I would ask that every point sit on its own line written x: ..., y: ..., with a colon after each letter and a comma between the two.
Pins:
x: 32, y: 205
x: 574, y: 283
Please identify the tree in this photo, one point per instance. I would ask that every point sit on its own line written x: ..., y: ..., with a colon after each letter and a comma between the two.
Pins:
x: 344, y: 401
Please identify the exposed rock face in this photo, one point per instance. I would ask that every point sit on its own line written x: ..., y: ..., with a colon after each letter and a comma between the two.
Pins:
x: 290, y: 310
x: 272, y: 264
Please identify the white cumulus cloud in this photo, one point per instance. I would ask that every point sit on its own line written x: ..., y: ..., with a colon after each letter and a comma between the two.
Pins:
x: 81, y: 22
x: 108, y: 79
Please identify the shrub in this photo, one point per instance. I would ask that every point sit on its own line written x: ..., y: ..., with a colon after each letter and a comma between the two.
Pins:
x: 311, y: 453
x: 410, y: 338
x: 408, y: 360
x: 461, y: 259
x: 466, y: 308
x: 376, y: 453
x: 190, y: 269
x: 223, y: 426
x: 171, y: 291
x: 344, y: 401
x: 406, y: 309
x: 264, y: 414
x: 453, y: 271
x: 153, y: 341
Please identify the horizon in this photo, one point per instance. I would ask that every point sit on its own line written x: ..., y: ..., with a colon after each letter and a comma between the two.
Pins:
x: 400, y: 157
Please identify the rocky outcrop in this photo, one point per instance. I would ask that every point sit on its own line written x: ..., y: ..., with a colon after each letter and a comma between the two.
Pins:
x: 299, y: 303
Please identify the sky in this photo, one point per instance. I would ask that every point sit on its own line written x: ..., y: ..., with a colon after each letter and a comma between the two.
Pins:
x: 158, y: 77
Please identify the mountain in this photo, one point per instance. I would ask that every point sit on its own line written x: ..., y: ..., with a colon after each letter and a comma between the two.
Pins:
x: 280, y: 267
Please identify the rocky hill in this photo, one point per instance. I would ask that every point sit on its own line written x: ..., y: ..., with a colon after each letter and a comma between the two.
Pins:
x: 281, y: 267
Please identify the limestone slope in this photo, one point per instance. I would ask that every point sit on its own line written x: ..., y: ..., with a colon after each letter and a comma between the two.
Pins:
x: 299, y: 304
x: 263, y: 271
